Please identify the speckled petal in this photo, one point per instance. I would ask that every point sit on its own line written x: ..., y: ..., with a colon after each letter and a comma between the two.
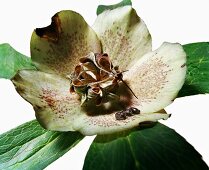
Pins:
x: 58, y: 47
x: 55, y: 106
x: 157, y: 77
x: 57, y: 109
x: 107, y: 124
x: 123, y: 35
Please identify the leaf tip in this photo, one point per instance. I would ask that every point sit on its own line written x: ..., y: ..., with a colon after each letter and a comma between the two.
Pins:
x: 102, y: 8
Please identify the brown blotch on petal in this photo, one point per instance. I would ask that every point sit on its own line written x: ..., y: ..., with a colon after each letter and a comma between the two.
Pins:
x: 51, y: 32
x: 120, y: 115
x: 146, y: 124
x: 183, y: 65
x: 123, y: 114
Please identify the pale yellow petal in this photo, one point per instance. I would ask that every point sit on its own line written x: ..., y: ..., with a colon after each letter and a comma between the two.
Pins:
x: 107, y: 124
x: 58, y: 47
x: 49, y: 94
x: 59, y: 110
x: 157, y: 77
x: 124, y: 36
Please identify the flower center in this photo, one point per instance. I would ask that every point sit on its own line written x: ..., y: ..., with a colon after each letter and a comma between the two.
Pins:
x: 95, y: 79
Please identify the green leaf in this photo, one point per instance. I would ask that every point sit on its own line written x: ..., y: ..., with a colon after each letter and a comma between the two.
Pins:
x: 12, y: 61
x: 102, y: 8
x: 197, y: 78
x: 153, y: 148
x: 29, y: 146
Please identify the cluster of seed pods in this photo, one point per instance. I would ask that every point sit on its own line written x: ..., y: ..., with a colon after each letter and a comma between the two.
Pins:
x: 95, y: 78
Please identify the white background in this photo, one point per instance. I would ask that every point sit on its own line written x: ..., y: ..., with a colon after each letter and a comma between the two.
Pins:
x: 174, y: 21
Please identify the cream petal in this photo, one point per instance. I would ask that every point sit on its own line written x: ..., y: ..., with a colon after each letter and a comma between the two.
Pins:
x: 157, y: 77
x: 57, y: 109
x: 123, y: 35
x: 58, y: 47
x: 107, y: 124
x: 55, y: 106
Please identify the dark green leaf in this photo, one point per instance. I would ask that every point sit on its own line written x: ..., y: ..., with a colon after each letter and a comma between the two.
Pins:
x: 102, y: 8
x: 197, y: 78
x: 11, y: 61
x: 29, y: 146
x: 156, y: 148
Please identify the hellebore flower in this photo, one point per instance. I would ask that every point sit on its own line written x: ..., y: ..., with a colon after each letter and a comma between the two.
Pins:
x: 102, y: 79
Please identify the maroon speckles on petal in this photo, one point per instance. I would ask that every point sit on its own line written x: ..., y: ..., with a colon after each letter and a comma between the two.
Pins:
x: 108, y: 121
x: 121, y: 44
x: 68, y: 51
x: 153, y: 78
x: 103, y: 121
x: 123, y: 35
x: 49, y: 96
x: 59, y: 104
